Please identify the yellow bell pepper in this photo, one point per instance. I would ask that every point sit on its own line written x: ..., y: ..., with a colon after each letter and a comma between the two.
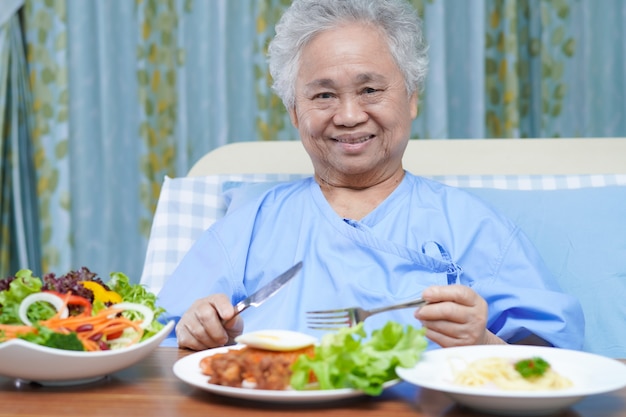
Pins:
x: 102, y: 294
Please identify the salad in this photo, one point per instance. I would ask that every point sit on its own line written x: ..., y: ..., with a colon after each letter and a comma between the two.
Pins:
x: 77, y: 311
x: 346, y: 359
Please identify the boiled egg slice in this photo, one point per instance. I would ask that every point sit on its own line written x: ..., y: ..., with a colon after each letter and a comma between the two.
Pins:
x: 278, y: 340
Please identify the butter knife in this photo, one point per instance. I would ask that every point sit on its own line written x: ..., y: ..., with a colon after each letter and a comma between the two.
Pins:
x: 268, y: 290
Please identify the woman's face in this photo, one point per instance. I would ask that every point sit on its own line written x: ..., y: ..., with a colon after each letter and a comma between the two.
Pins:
x: 352, y: 109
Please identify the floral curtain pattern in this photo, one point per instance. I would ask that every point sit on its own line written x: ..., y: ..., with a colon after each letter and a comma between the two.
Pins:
x: 126, y: 92
x: 272, y: 121
x: 528, y: 45
x: 159, y: 57
x: 45, y: 32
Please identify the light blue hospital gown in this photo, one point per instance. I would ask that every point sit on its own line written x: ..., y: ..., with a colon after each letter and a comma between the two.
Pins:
x: 425, y: 233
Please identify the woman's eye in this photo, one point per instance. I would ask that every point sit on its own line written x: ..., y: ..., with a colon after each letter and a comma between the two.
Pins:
x: 369, y: 90
x: 323, y: 95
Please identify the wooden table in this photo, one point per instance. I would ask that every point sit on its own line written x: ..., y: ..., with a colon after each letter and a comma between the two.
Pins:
x: 150, y: 389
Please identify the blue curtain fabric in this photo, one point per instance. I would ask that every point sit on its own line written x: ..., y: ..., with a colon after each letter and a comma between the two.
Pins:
x: 126, y: 92
x: 19, y: 226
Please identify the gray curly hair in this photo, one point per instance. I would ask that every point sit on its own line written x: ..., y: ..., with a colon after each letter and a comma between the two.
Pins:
x: 304, y: 19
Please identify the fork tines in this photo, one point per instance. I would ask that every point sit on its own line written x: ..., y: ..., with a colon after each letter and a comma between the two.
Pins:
x: 328, y: 320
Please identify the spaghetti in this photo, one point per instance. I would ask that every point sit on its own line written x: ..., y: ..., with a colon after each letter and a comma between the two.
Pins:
x: 501, y: 372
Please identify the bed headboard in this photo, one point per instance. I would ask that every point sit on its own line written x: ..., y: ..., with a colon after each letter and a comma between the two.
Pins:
x: 439, y: 157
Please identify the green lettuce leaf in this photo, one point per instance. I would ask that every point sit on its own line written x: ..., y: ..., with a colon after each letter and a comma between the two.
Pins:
x: 137, y: 293
x: 345, y: 359
x: 21, y: 287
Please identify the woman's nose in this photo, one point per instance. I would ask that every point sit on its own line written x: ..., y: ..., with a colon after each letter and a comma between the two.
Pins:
x: 349, y: 113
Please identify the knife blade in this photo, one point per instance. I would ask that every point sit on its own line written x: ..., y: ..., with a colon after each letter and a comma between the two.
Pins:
x: 268, y: 290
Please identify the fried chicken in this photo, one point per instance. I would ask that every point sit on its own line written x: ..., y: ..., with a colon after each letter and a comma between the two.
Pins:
x: 262, y: 369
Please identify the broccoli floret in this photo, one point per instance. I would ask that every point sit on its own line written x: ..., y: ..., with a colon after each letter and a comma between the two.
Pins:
x: 64, y: 341
x: 47, y: 337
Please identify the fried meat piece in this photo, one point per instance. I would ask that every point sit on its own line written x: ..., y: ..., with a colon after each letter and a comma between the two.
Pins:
x: 265, y: 369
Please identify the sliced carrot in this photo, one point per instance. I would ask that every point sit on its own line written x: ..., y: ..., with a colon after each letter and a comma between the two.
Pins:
x: 106, y: 322
x: 12, y: 331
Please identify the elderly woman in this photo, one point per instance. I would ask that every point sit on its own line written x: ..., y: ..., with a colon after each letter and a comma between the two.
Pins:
x: 368, y: 232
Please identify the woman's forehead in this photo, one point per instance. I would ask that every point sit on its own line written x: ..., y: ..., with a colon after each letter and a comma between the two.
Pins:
x: 355, y: 47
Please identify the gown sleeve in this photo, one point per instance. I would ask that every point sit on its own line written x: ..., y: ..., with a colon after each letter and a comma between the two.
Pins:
x: 200, y: 274
x: 524, y: 298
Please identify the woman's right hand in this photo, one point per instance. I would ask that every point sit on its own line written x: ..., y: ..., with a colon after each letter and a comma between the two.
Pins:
x: 207, y: 324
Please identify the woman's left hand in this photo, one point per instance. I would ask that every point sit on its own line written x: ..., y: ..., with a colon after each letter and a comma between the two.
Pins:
x: 455, y: 316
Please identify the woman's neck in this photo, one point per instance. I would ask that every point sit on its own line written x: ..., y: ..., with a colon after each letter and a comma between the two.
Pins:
x: 356, y: 202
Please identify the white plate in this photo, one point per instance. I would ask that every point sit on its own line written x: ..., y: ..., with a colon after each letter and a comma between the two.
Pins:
x: 188, y: 370
x: 31, y: 362
x: 590, y: 374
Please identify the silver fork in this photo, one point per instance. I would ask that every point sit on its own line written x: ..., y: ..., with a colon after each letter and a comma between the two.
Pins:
x: 348, y: 317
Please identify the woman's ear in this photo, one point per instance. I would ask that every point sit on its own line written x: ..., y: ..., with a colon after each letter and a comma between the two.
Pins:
x: 293, y: 115
x: 413, y: 101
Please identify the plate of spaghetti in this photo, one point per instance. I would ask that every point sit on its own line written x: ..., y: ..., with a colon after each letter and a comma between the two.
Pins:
x: 516, y: 380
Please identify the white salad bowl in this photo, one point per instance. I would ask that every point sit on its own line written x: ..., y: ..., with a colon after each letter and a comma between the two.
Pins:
x: 30, y: 362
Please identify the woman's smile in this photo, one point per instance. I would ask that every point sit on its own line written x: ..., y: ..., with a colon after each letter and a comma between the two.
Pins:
x: 353, y: 141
